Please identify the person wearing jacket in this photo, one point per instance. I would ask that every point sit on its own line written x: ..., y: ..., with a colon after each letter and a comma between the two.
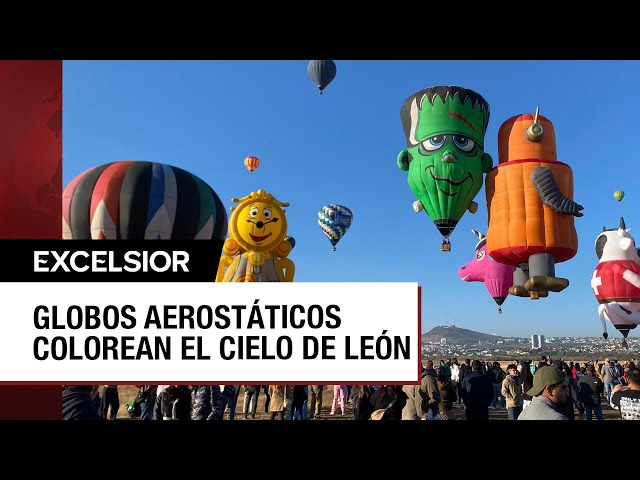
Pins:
x: 589, y: 389
x: 230, y: 399
x: 391, y: 398
x: 549, y: 396
x: 206, y: 402
x: 173, y: 403
x: 573, y: 400
x: 608, y: 378
x: 77, y: 403
x: 512, y: 392
x: 110, y: 402
x: 477, y: 393
x: 361, y: 402
x: 526, y: 382
x: 447, y: 393
x: 147, y: 397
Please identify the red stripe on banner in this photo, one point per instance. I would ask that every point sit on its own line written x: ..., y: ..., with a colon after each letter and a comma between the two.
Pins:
x: 30, y: 190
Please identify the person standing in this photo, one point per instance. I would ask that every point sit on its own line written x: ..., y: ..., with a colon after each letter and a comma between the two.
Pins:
x: 497, y: 376
x: 110, y: 400
x: 477, y: 393
x: 339, y: 392
x: 206, y: 402
x: 251, y: 393
x: 447, y: 396
x: 77, y: 403
x: 549, y: 396
x: 230, y: 399
x: 589, y: 389
x: 627, y: 399
x: 314, y: 401
x: 608, y: 378
x: 512, y: 392
x: 526, y: 382
x: 277, y: 404
x: 173, y: 403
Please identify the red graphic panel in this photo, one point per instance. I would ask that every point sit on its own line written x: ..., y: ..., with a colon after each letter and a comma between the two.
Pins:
x: 30, y: 189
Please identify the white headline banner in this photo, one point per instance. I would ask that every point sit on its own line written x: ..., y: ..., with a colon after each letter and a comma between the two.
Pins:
x: 206, y: 333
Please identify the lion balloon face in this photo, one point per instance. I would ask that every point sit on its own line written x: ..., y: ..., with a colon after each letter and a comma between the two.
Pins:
x: 258, y: 225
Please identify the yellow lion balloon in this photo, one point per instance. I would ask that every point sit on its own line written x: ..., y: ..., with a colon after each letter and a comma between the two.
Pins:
x: 256, y: 250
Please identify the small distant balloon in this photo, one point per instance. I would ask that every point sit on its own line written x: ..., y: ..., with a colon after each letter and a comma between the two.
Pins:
x: 618, y: 195
x: 321, y: 72
x: 334, y: 220
x: 251, y: 163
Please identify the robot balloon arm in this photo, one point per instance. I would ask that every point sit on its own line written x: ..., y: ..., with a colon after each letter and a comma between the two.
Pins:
x: 550, y: 194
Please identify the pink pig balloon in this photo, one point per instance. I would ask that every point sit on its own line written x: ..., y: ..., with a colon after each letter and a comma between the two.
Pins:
x: 497, y: 277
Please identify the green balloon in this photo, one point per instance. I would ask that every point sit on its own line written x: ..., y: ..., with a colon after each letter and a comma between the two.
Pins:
x: 444, y: 127
x: 618, y: 195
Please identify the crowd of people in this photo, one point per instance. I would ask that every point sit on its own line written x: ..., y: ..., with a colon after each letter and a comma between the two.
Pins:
x: 545, y: 390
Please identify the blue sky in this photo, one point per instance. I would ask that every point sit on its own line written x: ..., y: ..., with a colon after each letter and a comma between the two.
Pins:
x: 341, y: 147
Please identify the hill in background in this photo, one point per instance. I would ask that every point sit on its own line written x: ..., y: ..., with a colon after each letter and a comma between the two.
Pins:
x: 457, y: 336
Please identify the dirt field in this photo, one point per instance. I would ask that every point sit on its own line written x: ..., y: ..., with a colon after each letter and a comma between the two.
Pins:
x: 128, y: 392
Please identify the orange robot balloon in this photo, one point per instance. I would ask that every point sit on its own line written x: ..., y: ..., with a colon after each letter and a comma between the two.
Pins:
x: 531, y: 207
x: 251, y: 163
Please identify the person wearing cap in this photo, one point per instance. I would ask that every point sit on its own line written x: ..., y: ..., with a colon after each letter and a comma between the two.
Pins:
x: 549, y: 396
x: 589, y: 389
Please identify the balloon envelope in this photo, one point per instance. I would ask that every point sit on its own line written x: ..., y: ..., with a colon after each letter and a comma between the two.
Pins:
x: 133, y: 200
x: 251, y: 163
x: 321, y: 72
x: 618, y: 195
x: 334, y: 220
x: 497, y: 277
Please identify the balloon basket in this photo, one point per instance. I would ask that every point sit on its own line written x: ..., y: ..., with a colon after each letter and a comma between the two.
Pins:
x: 499, y: 311
x: 445, y: 247
x: 534, y: 295
x: 333, y: 249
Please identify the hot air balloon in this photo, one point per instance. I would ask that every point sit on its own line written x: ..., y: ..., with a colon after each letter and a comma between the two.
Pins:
x: 133, y: 200
x: 321, y: 72
x: 251, y: 163
x: 444, y: 129
x: 618, y: 195
x: 531, y: 207
x: 497, y: 277
x: 334, y: 220
x: 616, y: 280
x: 258, y: 245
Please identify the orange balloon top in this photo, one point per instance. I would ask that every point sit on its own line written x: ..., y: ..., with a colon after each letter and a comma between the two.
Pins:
x: 514, y: 145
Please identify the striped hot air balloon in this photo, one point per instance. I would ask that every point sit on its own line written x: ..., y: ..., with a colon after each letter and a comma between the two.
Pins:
x: 251, y: 163
x: 334, y: 220
x: 134, y: 200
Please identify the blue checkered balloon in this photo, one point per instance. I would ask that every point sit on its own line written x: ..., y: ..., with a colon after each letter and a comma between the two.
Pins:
x: 334, y: 220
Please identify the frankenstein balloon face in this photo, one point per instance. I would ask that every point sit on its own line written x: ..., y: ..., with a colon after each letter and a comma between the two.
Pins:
x: 445, y: 128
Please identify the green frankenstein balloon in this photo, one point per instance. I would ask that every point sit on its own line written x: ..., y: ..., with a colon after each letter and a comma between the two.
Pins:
x: 445, y: 128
